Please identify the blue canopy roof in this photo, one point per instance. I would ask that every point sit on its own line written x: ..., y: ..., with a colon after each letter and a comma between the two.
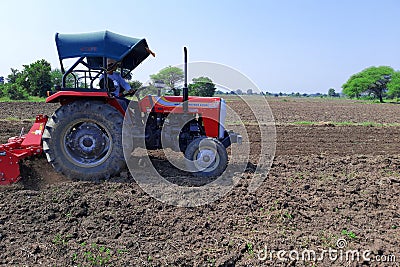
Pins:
x: 130, y: 51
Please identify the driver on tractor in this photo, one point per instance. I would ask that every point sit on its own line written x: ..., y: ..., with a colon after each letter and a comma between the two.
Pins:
x: 116, y: 83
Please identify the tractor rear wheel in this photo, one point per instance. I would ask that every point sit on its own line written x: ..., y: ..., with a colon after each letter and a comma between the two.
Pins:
x: 83, y: 140
x: 206, y: 157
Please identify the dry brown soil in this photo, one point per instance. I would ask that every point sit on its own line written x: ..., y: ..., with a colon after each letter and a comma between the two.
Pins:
x: 327, y: 182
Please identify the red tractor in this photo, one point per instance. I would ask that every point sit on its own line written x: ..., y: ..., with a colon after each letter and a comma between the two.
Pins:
x: 83, y: 139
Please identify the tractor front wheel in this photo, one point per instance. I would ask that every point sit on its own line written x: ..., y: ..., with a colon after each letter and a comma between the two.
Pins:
x: 83, y: 140
x: 206, y: 157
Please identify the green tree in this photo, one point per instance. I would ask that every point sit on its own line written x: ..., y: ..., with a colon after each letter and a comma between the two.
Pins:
x: 171, y: 76
x: 15, y: 91
x: 370, y: 80
x: 202, y: 86
x: 331, y: 92
x: 36, y: 78
x: 135, y: 84
x: 2, y: 89
x: 13, y: 76
x: 355, y: 85
x: 394, y: 85
x: 56, y: 77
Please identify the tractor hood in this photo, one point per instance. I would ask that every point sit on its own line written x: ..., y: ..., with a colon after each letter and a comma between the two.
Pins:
x: 96, y: 45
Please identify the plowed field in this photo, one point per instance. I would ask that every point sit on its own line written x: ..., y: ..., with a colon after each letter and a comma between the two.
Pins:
x: 333, y: 190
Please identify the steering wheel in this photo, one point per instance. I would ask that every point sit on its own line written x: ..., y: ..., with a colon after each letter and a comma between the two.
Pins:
x: 134, y: 92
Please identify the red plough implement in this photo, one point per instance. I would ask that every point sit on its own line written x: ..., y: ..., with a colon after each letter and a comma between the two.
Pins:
x: 18, y: 148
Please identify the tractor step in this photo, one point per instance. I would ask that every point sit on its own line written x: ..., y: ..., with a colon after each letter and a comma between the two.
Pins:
x: 18, y: 148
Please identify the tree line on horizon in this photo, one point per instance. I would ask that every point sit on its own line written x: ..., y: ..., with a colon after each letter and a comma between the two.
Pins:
x: 380, y: 83
x: 37, y: 78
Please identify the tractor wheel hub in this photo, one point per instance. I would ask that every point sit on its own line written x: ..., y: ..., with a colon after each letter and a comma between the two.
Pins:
x: 205, y: 157
x: 87, y: 143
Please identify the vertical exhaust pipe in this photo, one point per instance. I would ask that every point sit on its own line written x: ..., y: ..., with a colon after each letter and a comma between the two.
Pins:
x: 185, y: 86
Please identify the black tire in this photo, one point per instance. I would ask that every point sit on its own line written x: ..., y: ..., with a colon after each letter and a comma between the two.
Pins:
x: 83, y: 140
x: 212, y: 163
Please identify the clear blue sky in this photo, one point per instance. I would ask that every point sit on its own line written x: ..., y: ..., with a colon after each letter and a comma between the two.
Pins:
x: 304, y: 46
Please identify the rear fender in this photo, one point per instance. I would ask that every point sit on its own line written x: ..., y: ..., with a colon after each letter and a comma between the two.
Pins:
x: 65, y: 97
